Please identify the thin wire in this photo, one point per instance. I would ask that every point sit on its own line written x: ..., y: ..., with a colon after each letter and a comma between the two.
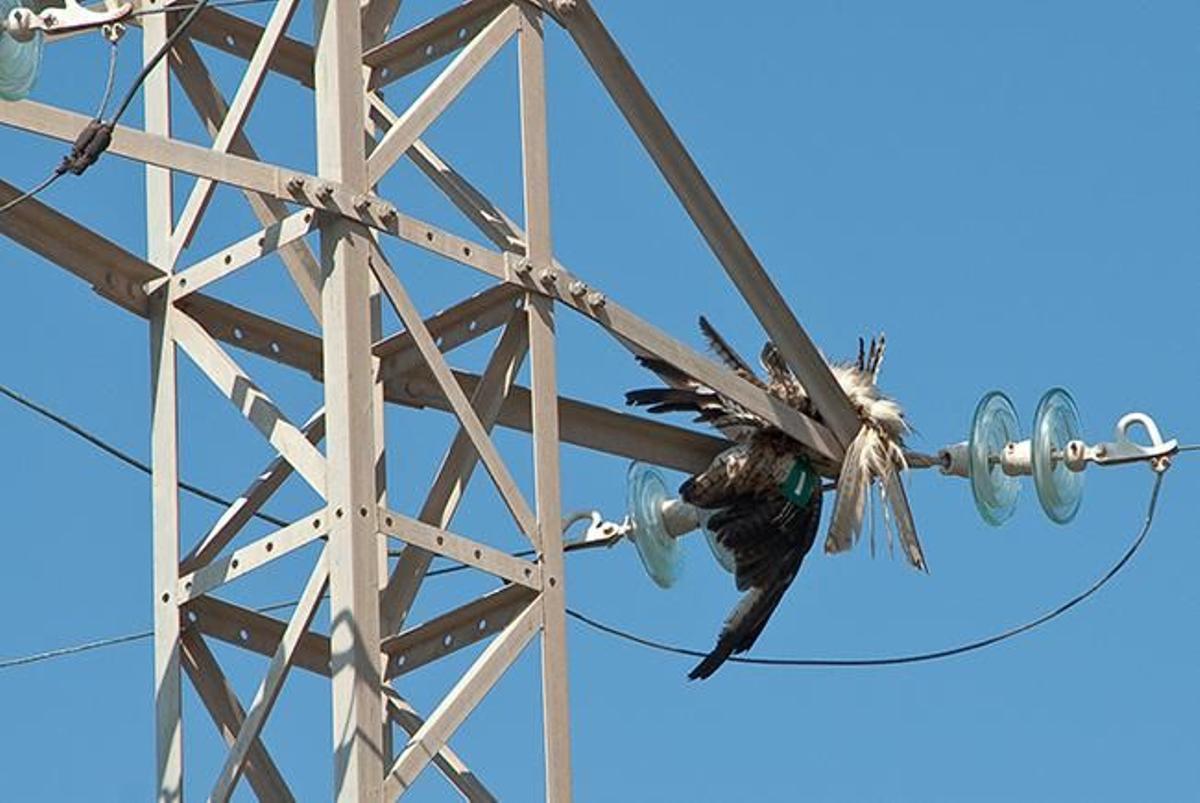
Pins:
x: 590, y: 621
x: 175, y: 7
x: 104, y: 99
x: 1192, y: 448
x: 25, y: 196
x: 123, y: 456
x: 75, y: 650
x: 899, y: 659
x: 149, y: 66
x: 109, y: 81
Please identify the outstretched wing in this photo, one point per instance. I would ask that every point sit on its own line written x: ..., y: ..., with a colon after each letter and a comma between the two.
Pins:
x: 685, y: 394
x: 768, y: 537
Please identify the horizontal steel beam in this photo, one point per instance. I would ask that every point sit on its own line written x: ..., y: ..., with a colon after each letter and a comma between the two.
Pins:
x: 452, y: 631
x: 429, y: 41
x: 237, y: 171
x: 255, y: 632
x: 461, y: 549
x: 452, y: 327
x: 582, y: 424
x: 415, y: 647
x: 389, y: 62
x: 112, y: 271
x: 119, y: 276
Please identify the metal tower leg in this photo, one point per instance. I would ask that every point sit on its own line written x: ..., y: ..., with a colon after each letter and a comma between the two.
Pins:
x: 350, y: 423
x: 168, y: 710
x: 540, y: 310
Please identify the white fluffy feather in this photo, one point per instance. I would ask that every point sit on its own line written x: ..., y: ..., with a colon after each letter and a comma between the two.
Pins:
x: 875, y: 455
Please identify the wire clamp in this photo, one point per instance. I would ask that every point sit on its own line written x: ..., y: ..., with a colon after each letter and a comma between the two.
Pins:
x: 22, y: 23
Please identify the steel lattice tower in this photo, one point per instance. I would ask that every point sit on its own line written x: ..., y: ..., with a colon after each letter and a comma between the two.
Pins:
x: 370, y: 642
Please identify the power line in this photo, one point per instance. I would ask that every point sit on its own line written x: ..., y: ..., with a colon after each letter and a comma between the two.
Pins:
x: 596, y: 624
x: 122, y: 455
x: 94, y: 139
x: 176, y: 7
x: 914, y: 658
x: 54, y: 176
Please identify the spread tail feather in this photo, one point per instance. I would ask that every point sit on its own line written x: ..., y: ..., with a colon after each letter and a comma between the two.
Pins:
x: 853, y: 486
x: 897, y: 500
x: 870, y: 457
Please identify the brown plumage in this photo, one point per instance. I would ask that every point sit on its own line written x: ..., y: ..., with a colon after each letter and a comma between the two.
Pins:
x: 761, y: 525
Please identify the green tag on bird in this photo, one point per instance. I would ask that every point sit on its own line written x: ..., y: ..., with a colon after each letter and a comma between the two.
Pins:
x: 800, y: 484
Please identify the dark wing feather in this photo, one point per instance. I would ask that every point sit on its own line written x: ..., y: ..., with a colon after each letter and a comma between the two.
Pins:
x: 727, y: 353
x: 685, y: 394
x: 768, y: 537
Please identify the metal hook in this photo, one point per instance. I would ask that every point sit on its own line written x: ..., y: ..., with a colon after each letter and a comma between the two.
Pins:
x: 1127, y: 450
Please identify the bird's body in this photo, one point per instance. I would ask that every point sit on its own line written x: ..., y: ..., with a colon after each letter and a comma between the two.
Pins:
x: 764, y: 491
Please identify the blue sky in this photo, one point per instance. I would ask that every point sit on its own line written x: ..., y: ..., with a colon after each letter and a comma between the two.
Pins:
x: 1009, y: 191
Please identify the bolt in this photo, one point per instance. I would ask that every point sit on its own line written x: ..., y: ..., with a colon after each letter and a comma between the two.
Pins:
x: 325, y: 192
x: 388, y: 212
x: 363, y: 204
x: 523, y: 266
x: 49, y: 20
x: 578, y: 288
x: 295, y: 184
x: 596, y: 299
x: 547, y: 276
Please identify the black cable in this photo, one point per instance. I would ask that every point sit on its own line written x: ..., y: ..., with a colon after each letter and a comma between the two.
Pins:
x: 899, y: 659
x: 96, y: 136
x: 149, y: 66
x: 123, y: 456
x: 177, y: 7
x: 105, y: 97
x: 595, y: 623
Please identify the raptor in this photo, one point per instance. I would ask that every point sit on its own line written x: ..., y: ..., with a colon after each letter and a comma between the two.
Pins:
x: 763, y: 494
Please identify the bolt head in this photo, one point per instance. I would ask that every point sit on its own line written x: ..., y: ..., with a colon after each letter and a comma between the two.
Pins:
x: 596, y: 299
x: 578, y: 288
